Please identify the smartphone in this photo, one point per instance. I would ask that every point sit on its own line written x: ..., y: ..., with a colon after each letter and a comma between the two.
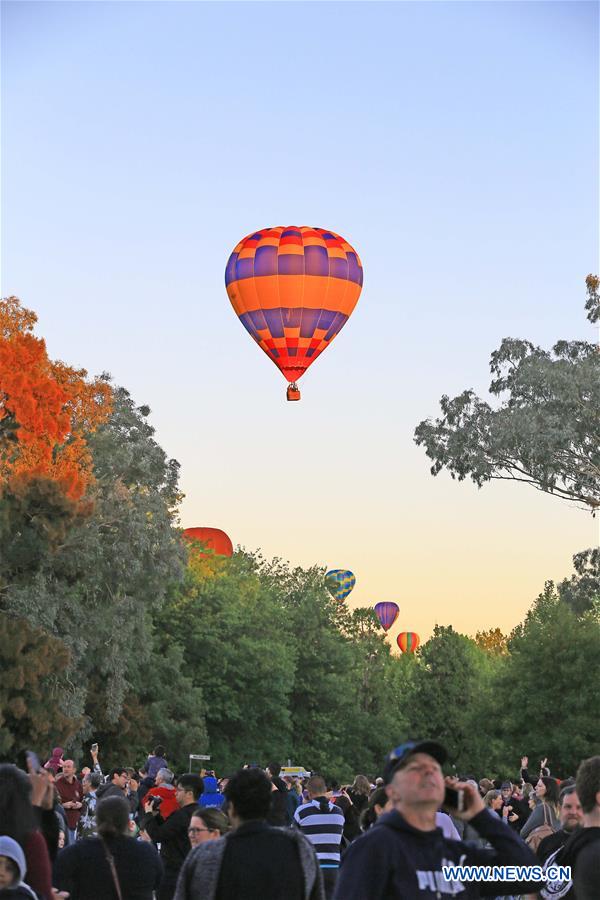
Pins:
x: 94, y: 748
x: 454, y: 800
x: 33, y: 762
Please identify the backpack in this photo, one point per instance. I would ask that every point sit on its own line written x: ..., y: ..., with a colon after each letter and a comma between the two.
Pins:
x: 535, y: 837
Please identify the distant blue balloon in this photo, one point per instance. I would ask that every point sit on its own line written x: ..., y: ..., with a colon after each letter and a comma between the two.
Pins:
x: 339, y: 583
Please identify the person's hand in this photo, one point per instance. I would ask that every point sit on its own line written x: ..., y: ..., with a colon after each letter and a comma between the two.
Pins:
x: 42, y: 789
x: 144, y: 836
x: 473, y: 801
x: 506, y: 810
x: 543, y: 762
x: 513, y: 817
x: 524, y: 762
x: 59, y: 895
x: 86, y: 771
x: 148, y: 807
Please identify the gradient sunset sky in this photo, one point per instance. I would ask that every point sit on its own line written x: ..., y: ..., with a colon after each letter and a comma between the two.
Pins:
x: 454, y: 145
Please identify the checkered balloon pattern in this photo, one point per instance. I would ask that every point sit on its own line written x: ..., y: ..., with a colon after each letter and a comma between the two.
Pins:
x: 293, y: 290
x: 339, y: 583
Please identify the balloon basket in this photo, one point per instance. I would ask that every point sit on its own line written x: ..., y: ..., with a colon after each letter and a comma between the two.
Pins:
x: 292, y: 392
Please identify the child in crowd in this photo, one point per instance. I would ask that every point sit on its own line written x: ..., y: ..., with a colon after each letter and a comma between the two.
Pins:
x: 12, y: 871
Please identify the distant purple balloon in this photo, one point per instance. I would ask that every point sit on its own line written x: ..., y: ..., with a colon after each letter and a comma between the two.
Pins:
x: 387, y: 613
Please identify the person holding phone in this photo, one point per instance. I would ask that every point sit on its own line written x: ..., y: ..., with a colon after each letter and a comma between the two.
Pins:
x: 403, y: 856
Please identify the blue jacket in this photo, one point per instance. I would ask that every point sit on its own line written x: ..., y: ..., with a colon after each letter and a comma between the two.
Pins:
x: 211, y: 796
x: 394, y: 861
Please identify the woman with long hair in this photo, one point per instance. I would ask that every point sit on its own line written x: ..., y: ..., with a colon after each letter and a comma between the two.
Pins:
x: 546, y: 813
x: 113, y: 864
x: 374, y: 808
x: 360, y: 792
x: 21, y: 821
x: 493, y: 801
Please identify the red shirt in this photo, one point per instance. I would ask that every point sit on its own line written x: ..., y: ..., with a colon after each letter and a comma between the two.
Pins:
x: 38, y: 864
x: 169, y: 804
x: 69, y: 791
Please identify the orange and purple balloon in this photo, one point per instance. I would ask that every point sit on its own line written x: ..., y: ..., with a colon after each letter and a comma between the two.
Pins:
x: 293, y: 289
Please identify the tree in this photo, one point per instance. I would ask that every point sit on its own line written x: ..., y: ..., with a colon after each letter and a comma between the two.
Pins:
x: 97, y: 589
x: 451, y: 700
x: 492, y: 641
x: 46, y: 408
x: 549, y: 685
x: 235, y: 644
x: 544, y: 432
x: 582, y: 591
x: 33, y: 678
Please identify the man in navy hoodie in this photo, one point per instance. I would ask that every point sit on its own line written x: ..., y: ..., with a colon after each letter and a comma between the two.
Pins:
x: 402, y: 855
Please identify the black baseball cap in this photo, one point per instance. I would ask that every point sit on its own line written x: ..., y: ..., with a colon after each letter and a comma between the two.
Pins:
x: 398, y: 757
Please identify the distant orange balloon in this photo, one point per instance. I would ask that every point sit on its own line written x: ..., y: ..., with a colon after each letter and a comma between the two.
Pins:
x: 408, y: 641
x: 214, y: 539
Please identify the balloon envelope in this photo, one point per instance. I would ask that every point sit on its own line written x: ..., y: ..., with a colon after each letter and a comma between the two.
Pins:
x: 339, y: 583
x: 387, y: 613
x: 293, y: 289
x: 408, y: 641
x: 215, y: 539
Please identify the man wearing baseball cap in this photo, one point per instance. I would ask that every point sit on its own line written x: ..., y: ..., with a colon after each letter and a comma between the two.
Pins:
x: 402, y: 855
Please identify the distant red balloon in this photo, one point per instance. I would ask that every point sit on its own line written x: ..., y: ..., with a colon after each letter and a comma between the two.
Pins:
x: 408, y: 641
x: 215, y: 539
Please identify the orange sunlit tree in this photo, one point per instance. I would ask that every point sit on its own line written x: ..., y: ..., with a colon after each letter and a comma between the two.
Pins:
x: 46, y: 409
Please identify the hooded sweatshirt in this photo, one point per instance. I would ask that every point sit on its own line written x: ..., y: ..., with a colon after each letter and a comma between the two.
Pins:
x: 211, y: 796
x: 12, y: 850
x: 394, y: 861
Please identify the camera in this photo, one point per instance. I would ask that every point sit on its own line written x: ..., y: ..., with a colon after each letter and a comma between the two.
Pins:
x: 156, y: 801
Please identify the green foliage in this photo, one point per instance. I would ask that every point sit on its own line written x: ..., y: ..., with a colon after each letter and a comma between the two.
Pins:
x: 233, y: 635
x: 550, y: 685
x: 544, y: 432
x: 33, y: 680
x: 450, y: 698
x: 97, y: 587
x: 111, y: 628
x: 582, y: 591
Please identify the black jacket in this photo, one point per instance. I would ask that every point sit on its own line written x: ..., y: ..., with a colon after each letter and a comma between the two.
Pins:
x: 279, y: 810
x: 553, y: 842
x: 83, y: 869
x: 172, y: 835
x: 582, y: 853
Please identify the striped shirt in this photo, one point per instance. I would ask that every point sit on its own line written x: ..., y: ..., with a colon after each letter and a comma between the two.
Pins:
x: 323, y: 828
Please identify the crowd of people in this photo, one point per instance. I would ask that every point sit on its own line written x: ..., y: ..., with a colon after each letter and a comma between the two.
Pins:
x: 258, y: 834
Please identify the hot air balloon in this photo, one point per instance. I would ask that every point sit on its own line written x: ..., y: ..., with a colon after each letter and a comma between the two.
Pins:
x: 215, y: 539
x: 408, y: 641
x: 387, y: 613
x: 293, y: 290
x: 339, y: 583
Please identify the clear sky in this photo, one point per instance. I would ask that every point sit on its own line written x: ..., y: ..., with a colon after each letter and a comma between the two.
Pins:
x: 455, y: 145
